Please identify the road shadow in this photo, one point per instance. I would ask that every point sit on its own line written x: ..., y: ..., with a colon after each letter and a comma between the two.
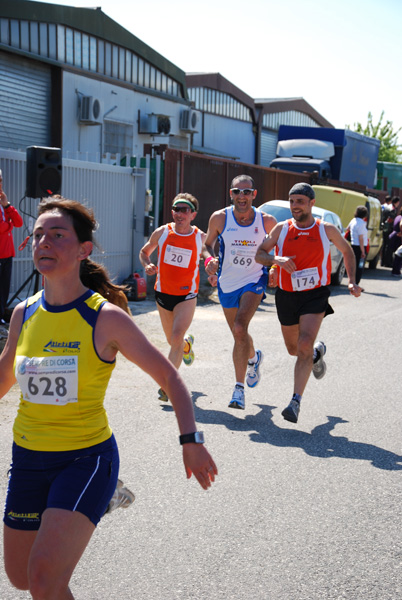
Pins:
x: 320, y: 442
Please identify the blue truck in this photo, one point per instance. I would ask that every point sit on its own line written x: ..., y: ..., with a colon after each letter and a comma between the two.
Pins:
x: 337, y: 154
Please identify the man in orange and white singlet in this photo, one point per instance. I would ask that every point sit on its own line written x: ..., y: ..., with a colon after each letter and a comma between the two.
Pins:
x: 180, y: 246
x: 303, y: 262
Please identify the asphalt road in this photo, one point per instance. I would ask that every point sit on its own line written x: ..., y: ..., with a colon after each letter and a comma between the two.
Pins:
x: 298, y: 512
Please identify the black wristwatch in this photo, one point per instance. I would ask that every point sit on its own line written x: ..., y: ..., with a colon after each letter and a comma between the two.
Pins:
x: 192, y: 438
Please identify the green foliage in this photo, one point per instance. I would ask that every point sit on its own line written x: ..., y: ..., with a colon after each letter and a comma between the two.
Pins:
x: 390, y: 149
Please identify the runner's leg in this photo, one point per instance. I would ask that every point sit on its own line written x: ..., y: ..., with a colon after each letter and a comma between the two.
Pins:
x: 54, y: 552
x: 238, y: 320
x: 175, y: 324
x: 299, y: 340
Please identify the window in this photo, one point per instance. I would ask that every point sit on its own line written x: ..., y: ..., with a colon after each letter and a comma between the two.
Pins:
x: 128, y: 66
x: 77, y: 49
x: 108, y: 59
x: 69, y: 46
x: 61, y: 48
x: 134, y: 75
x: 52, y: 42
x: 146, y: 74
x: 15, y: 33
x: 92, y: 54
x: 4, y: 32
x: 122, y: 63
x: 158, y: 84
x: 85, y: 51
x: 118, y: 138
x: 115, y: 61
x: 140, y: 71
x: 101, y: 57
x: 43, y: 39
x: 152, y: 78
x: 24, y: 36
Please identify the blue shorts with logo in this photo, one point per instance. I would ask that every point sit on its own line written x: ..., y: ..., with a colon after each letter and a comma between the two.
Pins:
x: 77, y: 480
x: 232, y: 299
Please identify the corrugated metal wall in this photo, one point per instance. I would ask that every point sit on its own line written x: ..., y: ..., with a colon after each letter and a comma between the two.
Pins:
x: 117, y: 195
x: 25, y: 116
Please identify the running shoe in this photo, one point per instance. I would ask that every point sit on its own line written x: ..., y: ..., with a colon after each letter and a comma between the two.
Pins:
x: 320, y: 367
x: 163, y: 397
x: 238, y: 400
x: 188, y: 357
x: 253, y: 371
x: 122, y: 498
x: 291, y: 412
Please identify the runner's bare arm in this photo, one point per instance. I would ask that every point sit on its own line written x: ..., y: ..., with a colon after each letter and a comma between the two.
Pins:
x: 264, y: 257
x: 215, y: 227
x: 118, y: 332
x: 7, y: 376
x: 339, y: 241
x: 146, y: 251
x: 269, y: 222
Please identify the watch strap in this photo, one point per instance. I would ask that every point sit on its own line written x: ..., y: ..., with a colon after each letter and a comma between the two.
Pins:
x: 192, y: 438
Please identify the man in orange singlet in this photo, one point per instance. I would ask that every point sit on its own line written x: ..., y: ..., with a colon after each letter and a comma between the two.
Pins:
x: 180, y: 246
x: 303, y: 262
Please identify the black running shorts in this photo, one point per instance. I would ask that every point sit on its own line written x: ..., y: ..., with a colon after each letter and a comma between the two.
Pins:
x: 291, y: 305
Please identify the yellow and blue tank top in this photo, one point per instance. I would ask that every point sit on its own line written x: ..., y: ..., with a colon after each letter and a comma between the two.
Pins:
x: 63, y: 381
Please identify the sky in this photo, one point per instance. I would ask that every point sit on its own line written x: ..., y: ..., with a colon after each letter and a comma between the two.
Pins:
x: 344, y: 57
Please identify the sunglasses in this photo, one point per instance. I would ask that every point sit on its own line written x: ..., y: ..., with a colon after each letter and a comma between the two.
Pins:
x: 182, y: 209
x: 246, y: 192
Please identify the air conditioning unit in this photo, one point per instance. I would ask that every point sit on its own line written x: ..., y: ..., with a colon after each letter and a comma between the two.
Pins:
x: 189, y: 120
x: 90, y: 112
x: 154, y: 124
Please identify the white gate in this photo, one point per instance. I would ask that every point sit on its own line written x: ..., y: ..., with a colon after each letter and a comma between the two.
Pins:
x: 117, y: 195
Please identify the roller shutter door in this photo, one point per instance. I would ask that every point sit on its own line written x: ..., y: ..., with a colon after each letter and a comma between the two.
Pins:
x: 269, y: 140
x: 25, y: 103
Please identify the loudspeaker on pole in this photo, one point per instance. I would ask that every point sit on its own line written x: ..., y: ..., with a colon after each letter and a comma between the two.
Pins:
x: 43, y: 171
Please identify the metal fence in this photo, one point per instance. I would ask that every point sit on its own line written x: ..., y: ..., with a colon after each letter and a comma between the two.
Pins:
x: 117, y: 195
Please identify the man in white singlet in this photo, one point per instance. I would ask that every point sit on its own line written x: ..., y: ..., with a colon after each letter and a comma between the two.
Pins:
x: 240, y: 229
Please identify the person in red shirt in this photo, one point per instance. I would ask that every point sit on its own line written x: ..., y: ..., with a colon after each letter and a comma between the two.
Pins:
x: 180, y: 246
x: 303, y: 260
x: 9, y: 218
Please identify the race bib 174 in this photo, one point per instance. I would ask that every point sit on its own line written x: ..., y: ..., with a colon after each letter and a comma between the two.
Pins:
x: 306, y: 279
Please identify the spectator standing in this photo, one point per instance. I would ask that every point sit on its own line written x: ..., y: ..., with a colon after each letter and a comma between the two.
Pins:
x: 9, y: 218
x: 395, y: 240
x: 359, y: 239
x: 389, y: 212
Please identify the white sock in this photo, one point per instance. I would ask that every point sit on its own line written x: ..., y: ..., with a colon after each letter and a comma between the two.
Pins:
x: 252, y: 361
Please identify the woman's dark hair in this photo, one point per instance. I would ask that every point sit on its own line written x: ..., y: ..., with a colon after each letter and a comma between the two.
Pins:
x: 92, y: 274
x: 361, y: 212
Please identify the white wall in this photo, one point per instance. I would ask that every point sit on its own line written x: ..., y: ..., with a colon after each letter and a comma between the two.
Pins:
x: 125, y: 104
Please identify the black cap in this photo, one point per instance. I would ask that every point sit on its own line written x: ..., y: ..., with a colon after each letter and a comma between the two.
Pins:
x: 304, y: 189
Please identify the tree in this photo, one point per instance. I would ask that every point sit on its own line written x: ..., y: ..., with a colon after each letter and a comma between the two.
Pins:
x: 390, y: 149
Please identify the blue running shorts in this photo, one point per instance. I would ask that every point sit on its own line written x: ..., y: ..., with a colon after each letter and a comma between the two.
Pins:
x: 232, y: 299
x: 78, y: 480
